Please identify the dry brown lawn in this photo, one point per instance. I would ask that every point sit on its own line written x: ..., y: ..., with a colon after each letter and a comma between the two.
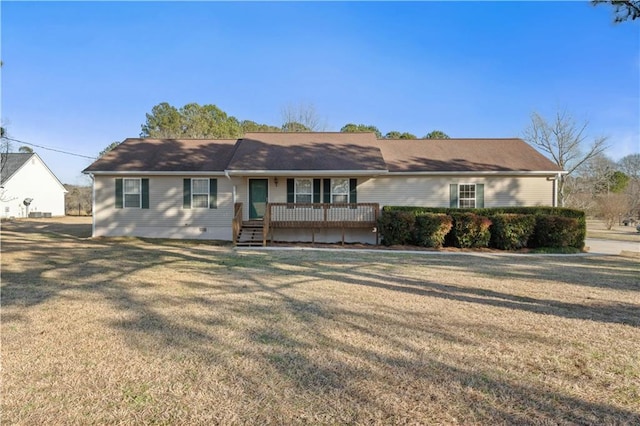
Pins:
x: 597, y: 229
x: 130, y: 331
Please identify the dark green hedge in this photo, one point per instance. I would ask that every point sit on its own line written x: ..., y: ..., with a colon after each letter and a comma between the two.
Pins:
x: 510, y: 231
x: 396, y: 227
x: 431, y: 229
x: 557, y: 231
x: 554, y: 226
x: 470, y: 230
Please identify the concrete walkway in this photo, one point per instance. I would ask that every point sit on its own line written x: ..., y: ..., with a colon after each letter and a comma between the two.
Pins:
x: 596, y: 246
x: 600, y: 246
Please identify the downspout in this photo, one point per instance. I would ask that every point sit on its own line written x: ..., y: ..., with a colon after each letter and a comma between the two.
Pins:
x: 555, y: 190
x: 93, y: 205
x: 226, y: 173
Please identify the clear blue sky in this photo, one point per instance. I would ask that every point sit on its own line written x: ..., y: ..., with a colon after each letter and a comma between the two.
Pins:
x: 78, y: 76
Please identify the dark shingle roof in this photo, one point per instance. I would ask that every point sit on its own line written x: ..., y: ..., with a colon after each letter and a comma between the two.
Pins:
x: 166, y: 155
x: 322, y: 152
x: 463, y: 155
x: 308, y: 151
x: 10, y: 163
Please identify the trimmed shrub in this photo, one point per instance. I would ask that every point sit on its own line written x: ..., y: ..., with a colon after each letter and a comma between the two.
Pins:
x: 511, y: 231
x: 470, y: 230
x: 579, y: 215
x: 430, y: 229
x: 558, y: 231
x: 396, y: 227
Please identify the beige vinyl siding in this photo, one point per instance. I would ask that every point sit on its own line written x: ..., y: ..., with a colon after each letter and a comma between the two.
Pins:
x: 433, y: 191
x: 165, y: 217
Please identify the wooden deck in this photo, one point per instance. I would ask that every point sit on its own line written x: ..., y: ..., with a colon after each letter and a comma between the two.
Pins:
x: 312, y: 216
x: 322, y: 215
x: 315, y: 216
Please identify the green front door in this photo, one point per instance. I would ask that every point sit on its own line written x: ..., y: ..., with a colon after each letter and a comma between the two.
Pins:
x: 258, y: 193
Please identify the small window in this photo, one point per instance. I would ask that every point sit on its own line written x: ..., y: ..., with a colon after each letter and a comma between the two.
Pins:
x: 467, y: 196
x: 304, y: 191
x: 132, y: 193
x: 339, y: 190
x: 200, y: 193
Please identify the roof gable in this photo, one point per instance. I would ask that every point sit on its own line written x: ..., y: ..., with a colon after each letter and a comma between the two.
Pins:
x: 11, y: 163
x: 14, y: 162
x: 308, y: 152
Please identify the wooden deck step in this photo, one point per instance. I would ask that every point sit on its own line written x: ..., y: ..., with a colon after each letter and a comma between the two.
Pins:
x: 251, y: 234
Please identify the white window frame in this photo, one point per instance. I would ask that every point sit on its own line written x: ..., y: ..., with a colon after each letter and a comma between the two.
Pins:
x: 194, y: 193
x: 308, y: 194
x: 125, y: 193
x: 474, y: 199
x: 348, y: 193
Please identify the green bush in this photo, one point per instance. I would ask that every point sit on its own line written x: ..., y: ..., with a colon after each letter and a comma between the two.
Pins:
x: 396, y: 227
x: 510, y: 231
x: 470, y: 230
x: 431, y: 229
x: 557, y: 231
x: 578, y: 234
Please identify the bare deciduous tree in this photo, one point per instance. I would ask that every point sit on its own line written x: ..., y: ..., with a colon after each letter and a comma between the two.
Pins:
x: 630, y: 165
x: 5, y: 149
x: 562, y: 141
x: 302, y: 117
x: 611, y: 207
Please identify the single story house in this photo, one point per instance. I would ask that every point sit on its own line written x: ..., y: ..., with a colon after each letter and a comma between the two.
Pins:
x: 29, y: 187
x: 322, y: 187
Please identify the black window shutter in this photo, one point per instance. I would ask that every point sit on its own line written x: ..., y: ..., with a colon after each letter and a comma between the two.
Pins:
x: 213, y: 193
x: 316, y: 190
x: 291, y: 188
x: 453, y: 196
x: 353, y: 191
x: 145, y: 193
x: 186, y: 193
x: 326, y: 183
x: 480, y: 195
x: 118, y: 193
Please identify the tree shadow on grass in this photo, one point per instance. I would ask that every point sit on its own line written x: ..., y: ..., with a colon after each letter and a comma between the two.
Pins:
x: 103, y: 268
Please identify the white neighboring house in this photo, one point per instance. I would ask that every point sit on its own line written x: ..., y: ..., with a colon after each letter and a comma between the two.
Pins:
x: 24, y: 177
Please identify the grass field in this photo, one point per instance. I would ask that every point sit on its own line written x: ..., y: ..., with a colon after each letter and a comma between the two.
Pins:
x: 597, y: 229
x: 132, y: 331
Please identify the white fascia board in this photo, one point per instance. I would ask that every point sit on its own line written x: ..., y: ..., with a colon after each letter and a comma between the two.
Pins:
x: 139, y: 173
x: 51, y: 173
x: 486, y: 173
x: 306, y: 172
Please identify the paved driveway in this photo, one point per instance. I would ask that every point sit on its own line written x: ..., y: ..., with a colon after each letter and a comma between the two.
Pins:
x: 599, y: 246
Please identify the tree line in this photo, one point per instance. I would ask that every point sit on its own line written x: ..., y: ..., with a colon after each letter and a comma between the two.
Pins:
x: 194, y: 121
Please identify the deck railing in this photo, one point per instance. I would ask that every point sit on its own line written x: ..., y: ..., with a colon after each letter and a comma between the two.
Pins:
x: 321, y: 215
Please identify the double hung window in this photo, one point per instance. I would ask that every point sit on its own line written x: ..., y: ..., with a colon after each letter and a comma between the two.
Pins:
x: 467, y: 196
x: 200, y: 193
x: 304, y: 191
x: 132, y: 193
x: 339, y: 190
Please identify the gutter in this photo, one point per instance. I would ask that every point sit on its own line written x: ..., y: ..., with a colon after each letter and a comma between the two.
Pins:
x: 297, y: 173
x: 150, y: 173
x: 482, y: 173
